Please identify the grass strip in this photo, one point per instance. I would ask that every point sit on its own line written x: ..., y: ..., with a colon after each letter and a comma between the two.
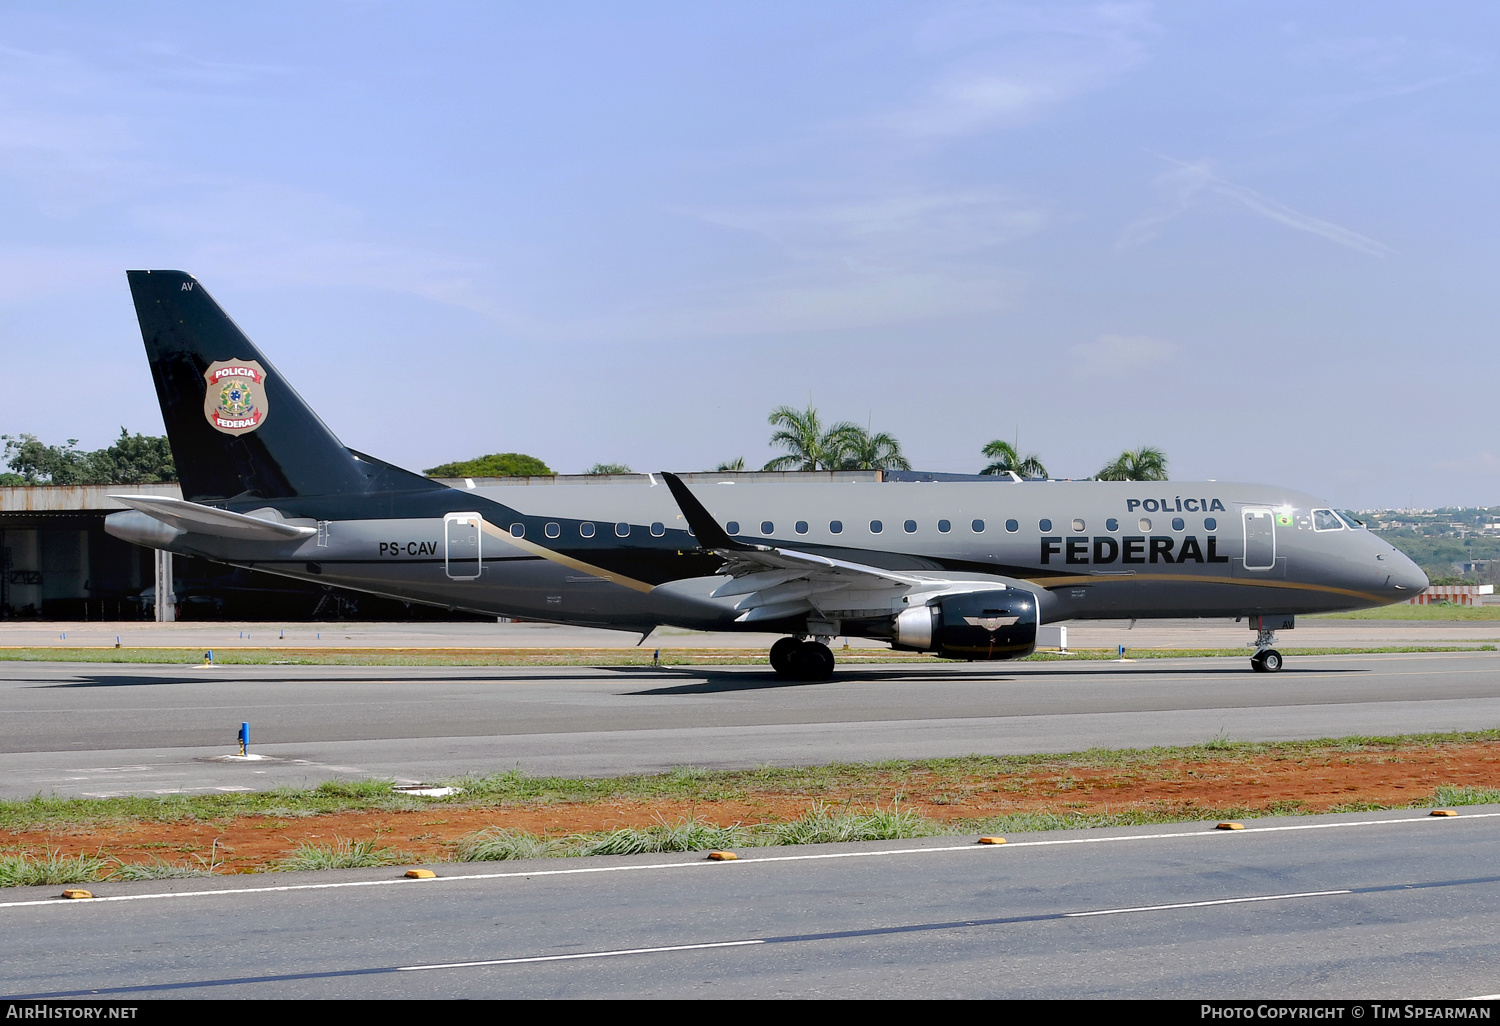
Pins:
x: 819, y: 825
x: 1403, y: 611
x: 342, y: 854
x: 824, y: 825
x: 28, y: 869
x: 609, y: 657
x: 832, y: 781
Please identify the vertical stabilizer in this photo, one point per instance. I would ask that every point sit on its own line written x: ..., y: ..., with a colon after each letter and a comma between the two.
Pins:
x: 237, y: 427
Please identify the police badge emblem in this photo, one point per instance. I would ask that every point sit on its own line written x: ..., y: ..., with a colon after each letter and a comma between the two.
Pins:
x: 236, y: 399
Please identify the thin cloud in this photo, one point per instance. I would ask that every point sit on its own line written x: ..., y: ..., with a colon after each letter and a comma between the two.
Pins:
x: 1113, y: 355
x: 880, y: 258
x: 1187, y: 184
x: 1482, y: 462
x: 1008, y: 64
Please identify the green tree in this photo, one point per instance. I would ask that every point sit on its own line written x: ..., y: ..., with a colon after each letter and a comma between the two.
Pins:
x: 738, y: 463
x: 609, y: 468
x: 1005, y: 459
x: 131, y: 459
x: 498, y: 464
x: 808, y: 446
x: 860, y: 450
x: 1143, y: 464
x: 9, y: 480
x: 40, y: 463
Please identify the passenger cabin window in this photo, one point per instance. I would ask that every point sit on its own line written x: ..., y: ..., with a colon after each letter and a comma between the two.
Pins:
x: 1111, y: 524
x: 622, y: 530
x: 1145, y: 525
x: 876, y: 527
x: 1045, y: 525
x: 766, y: 527
x: 801, y: 526
x: 1077, y: 525
x: 910, y: 527
x: 733, y: 527
x: 586, y: 530
x: 1210, y: 523
x: 658, y: 529
x: 518, y: 530
x: 835, y: 527
x: 1326, y: 520
x: 1012, y: 526
x: 944, y: 526
x: 552, y: 531
x: 1178, y: 524
x: 977, y: 527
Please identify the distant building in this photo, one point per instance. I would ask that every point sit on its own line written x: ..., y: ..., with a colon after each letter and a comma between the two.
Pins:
x: 57, y: 563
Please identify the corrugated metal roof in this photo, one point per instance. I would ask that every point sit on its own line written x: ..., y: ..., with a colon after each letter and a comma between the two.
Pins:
x: 692, y: 477
x: 77, y: 498
x: 70, y: 498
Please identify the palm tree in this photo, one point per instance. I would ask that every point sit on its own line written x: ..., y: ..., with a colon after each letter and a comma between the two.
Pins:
x: 1007, y: 460
x: 808, y: 446
x: 1144, y: 464
x: 861, y: 450
x: 738, y: 463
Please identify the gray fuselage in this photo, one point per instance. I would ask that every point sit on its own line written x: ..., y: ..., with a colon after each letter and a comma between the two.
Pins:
x: 619, y: 554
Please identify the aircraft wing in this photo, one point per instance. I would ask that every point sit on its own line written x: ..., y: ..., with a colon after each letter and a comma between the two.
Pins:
x: 778, y: 582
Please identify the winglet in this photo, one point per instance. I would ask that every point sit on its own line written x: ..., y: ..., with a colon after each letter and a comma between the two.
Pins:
x: 704, y: 527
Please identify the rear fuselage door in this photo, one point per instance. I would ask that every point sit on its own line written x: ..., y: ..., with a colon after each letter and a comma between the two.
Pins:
x: 461, y: 542
x: 1260, y: 539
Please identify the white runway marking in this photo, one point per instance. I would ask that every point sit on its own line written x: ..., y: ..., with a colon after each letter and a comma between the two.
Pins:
x: 582, y: 954
x: 1201, y: 904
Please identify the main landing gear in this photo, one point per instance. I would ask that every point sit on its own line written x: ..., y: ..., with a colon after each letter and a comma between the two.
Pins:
x: 795, y: 659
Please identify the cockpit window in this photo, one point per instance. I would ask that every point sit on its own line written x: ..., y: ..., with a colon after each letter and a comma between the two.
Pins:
x: 1326, y: 520
x: 1354, y: 522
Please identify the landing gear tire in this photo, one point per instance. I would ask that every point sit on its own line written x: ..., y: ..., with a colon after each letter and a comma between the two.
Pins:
x: 812, y: 661
x: 783, y: 655
x: 1266, y: 661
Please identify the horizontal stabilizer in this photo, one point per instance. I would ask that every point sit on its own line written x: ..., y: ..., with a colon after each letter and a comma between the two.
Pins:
x: 221, y: 523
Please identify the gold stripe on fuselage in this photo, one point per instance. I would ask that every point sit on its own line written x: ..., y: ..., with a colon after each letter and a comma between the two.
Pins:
x: 567, y: 561
x: 1055, y: 582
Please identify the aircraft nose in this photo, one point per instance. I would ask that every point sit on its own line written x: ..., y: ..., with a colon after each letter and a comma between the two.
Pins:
x: 1405, y: 576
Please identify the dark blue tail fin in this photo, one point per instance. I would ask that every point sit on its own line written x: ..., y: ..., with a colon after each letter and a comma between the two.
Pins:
x: 238, y: 429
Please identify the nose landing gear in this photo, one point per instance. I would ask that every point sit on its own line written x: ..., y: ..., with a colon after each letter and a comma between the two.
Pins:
x: 1266, y: 659
x: 793, y: 659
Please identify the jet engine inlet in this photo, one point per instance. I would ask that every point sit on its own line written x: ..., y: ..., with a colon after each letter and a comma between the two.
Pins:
x: 979, y: 625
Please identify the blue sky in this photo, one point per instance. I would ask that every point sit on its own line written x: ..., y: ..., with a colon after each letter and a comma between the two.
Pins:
x: 1260, y: 236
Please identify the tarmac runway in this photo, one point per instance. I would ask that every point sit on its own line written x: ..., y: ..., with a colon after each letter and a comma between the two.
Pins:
x: 111, y: 729
x: 1395, y: 906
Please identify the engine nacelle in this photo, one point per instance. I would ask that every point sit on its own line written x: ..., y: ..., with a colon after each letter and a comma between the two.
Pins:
x: 977, y: 625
